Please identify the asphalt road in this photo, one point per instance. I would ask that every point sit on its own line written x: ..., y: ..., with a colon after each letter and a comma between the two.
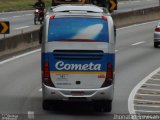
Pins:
x: 21, y: 22
x: 20, y: 83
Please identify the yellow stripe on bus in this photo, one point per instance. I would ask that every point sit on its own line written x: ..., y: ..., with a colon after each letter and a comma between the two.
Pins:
x: 77, y: 72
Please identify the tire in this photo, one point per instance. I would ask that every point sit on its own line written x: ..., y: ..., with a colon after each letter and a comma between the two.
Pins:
x: 107, y: 106
x: 103, y: 106
x: 46, y: 105
x: 35, y: 20
x: 156, y: 45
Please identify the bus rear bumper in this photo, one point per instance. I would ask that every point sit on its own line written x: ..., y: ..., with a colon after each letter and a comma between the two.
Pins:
x: 50, y: 93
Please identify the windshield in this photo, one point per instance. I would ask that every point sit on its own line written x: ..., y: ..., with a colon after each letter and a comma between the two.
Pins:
x: 83, y: 29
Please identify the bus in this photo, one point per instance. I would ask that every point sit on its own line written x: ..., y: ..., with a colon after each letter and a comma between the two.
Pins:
x: 78, y: 56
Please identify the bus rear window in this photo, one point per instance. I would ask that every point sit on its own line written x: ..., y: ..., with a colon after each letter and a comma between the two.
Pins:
x: 78, y: 29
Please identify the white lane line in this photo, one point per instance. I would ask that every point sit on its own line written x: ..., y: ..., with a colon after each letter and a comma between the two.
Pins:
x: 116, y: 50
x: 154, y: 79
x: 27, y: 14
x: 19, y: 56
x: 16, y: 16
x: 138, y: 43
x: 3, y: 18
x: 30, y: 115
x: 151, y: 84
x: 40, y: 90
x: 147, y: 111
x: 137, y: 25
x: 147, y: 106
x: 140, y: 94
x: 154, y: 90
x: 135, y: 90
x: 22, y: 27
x: 140, y: 100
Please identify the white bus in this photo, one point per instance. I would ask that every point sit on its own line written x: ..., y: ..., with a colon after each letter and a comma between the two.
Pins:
x: 78, y: 56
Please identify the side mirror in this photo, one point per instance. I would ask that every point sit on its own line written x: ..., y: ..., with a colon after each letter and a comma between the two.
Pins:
x: 40, y: 34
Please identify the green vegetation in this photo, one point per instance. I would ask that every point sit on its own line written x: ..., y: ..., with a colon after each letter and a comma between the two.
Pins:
x: 16, y: 5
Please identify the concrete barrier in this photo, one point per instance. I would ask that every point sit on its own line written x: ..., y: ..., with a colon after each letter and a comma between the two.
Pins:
x: 137, y: 16
x: 24, y: 41
x: 18, y: 43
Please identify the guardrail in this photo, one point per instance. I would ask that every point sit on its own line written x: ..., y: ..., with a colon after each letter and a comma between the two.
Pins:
x: 28, y: 40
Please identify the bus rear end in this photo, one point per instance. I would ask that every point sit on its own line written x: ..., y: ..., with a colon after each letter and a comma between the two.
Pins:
x: 78, y: 60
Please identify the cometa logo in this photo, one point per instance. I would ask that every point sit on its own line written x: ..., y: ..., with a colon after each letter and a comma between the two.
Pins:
x: 62, y: 66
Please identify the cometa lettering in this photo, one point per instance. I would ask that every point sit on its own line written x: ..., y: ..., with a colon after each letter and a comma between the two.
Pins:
x: 62, y: 66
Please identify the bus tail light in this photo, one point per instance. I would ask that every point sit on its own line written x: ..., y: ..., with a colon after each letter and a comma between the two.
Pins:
x: 109, y: 71
x: 46, y: 75
x: 104, y: 17
x: 52, y: 17
x: 109, y: 75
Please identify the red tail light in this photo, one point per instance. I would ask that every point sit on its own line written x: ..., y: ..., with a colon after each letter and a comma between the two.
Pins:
x: 52, y: 17
x: 157, y: 29
x: 46, y: 75
x: 109, y: 71
x: 109, y: 76
x: 104, y: 17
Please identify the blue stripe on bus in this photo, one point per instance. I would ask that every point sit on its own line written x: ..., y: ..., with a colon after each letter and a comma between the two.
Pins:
x: 105, y: 59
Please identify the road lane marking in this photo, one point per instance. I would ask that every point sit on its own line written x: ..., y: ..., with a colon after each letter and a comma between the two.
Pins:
x: 156, y: 90
x: 140, y: 100
x: 40, y: 90
x: 147, y: 111
x: 22, y: 27
x: 31, y: 115
x: 138, y: 43
x: 136, y: 25
x: 19, y: 56
x: 135, y: 90
x: 4, y: 18
x: 147, y: 106
x: 141, y: 94
x: 151, y: 84
x: 16, y: 16
x: 154, y: 79
x: 28, y: 14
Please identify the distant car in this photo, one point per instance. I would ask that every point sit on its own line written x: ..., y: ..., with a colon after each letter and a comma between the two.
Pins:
x: 157, y: 36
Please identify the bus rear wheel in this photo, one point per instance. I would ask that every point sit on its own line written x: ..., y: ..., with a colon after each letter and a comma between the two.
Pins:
x: 103, y: 106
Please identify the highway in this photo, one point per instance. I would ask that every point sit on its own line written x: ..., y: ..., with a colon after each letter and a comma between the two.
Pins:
x: 20, y: 83
x: 23, y: 21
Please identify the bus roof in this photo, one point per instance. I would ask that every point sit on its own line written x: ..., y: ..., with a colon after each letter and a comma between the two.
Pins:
x: 71, y: 7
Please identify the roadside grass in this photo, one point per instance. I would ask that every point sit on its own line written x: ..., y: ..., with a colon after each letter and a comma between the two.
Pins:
x: 17, y: 5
